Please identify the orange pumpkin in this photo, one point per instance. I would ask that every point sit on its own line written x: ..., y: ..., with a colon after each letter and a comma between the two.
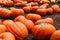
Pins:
x: 34, y: 8
x: 7, y: 36
x: 33, y: 3
x: 16, y: 28
x: 46, y: 20
x: 33, y: 17
x: 1, y: 2
x: 43, y: 31
x: 44, y: 6
x: 37, y: 1
x: 16, y: 12
x: 41, y: 12
x: 2, y: 28
x: 28, y: 23
x: 55, y: 35
x: 4, y: 13
x: 29, y: 0
x: 56, y: 8
x: 26, y: 9
x: 49, y: 11
x: 17, y: 1
x: 8, y: 3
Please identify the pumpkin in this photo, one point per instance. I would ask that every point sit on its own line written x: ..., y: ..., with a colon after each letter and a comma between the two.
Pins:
x: 23, y: 3
x: 41, y: 12
x: 56, y: 8
x: 55, y: 35
x: 16, y: 28
x: 15, y: 1
x: 4, y: 13
x: 8, y: 3
x: 1, y: 2
x: 29, y: 0
x: 49, y: 11
x: 2, y: 28
x: 26, y: 9
x: 7, y: 36
x: 33, y: 3
x: 16, y: 12
x: 43, y: 7
x: 37, y: 1
x: 28, y: 23
x: 43, y: 31
x: 34, y: 8
x: 44, y: 1
x: 46, y: 20
x: 33, y: 17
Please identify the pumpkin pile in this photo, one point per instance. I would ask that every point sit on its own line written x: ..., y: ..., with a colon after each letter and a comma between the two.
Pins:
x: 19, y: 18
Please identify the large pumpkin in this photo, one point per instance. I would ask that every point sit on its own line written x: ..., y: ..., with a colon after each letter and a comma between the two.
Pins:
x: 46, y: 20
x: 43, y: 31
x: 55, y: 35
x: 17, y: 28
x: 7, y: 36
x: 33, y: 17
x: 16, y: 12
x: 2, y: 28
x: 4, y: 13
x: 28, y: 23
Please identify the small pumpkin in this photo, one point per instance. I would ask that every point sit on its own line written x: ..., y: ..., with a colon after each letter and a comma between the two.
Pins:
x: 26, y: 9
x: 49, y: 11
x: 4, y: 13
x: 46, y: 20
x: 37, y: 1
x: 23, y: 3
x: 29, y: 0
x: 56, y: 8
x: 33, y: 3
x: 33, y: 17
x: 1, y: 2
x: 8, y: 3
x: 28, y: 23
x: 34, y: 8
x: 41, y: 12
x: 43, y: 31
x: 16, y: 28
x: 15, y: 1
x: 7, y: 36
x: 16, y: 12
x: 55, y: 35
x: 44, y: 1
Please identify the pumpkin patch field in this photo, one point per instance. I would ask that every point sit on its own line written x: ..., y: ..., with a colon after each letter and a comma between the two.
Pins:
x: 29, y: 20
